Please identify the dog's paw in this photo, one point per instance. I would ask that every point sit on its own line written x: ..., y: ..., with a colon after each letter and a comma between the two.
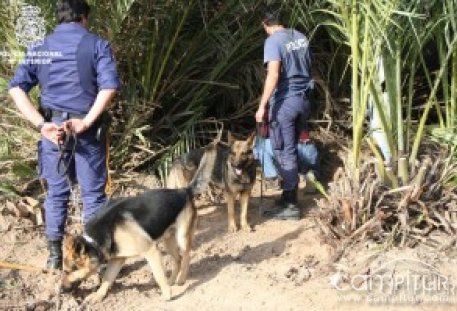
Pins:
x: 232, y: 228
x: 172, y: 280
x: 180, y: 281
x: 94, y: 298
x: 166, y: 294
x: 246, y: 228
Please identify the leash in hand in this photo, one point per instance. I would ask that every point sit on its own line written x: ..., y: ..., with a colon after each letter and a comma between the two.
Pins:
x: 260, y: 135
x: 68, y: 137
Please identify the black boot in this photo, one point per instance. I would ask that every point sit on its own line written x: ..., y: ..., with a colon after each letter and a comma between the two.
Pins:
x: 288, y: 198
x: 281, y: 202
x: 286, y: 207
x: 55, y: 255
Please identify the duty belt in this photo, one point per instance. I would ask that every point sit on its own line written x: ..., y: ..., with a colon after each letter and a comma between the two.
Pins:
x: 49, y: 113
x: 67, y: 115
x: 102, y: 123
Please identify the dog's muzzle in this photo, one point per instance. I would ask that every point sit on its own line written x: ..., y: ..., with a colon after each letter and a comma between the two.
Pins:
x: 237, y: 168
x: 67, y: 286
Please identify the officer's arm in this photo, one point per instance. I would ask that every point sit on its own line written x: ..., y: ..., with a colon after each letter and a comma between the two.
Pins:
x: 23, y: 103
x: 107, y: 81
x: 23, y: 81
x: 271, y: 81
x: 102, y: 103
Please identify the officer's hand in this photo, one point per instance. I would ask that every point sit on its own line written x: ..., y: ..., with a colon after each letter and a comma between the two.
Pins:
x: 260, y: 114
x: 77, y: 126
x: 52, y: 132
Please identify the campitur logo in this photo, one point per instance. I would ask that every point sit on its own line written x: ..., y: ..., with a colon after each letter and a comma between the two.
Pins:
x: 399, y: 281
x: 30, y: 26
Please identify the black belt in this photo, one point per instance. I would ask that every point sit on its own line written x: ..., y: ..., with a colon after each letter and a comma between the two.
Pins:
x: 61, y: 114
x: 49, y: 113
x: 102, y: 123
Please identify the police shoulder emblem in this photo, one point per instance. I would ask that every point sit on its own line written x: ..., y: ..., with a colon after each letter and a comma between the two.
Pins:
x: 30, y: 26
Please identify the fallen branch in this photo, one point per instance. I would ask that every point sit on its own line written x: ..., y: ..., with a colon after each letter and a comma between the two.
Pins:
x: 15, y: 266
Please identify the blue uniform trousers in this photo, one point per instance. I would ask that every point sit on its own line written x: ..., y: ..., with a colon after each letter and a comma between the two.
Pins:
x: 307, y: 157
x: 288, y: 117
x: 88, y: 167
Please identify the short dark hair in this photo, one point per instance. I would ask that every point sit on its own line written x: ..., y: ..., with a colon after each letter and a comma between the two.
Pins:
x: 272, y: 16
x: 72, y: 11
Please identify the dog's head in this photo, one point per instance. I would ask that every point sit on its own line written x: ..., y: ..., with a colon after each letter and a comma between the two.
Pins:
x: 241, y: 155
x: 79, y: 261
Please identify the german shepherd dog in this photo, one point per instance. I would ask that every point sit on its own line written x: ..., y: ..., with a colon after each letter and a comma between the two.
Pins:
x: 133, y: 226
x: 234, y: 172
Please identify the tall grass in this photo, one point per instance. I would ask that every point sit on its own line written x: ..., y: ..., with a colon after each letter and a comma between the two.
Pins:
x: 181, y: 63
x: 387, y: 38
x: 186, y: 61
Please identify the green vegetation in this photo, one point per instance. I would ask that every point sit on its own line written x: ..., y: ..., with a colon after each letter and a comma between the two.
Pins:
x: 190, y: 68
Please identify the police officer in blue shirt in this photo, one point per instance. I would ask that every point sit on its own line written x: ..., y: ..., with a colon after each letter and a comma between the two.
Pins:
x: 288, y: 60
x: 77, y: 76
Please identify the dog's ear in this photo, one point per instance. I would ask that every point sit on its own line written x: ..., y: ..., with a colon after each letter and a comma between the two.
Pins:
x: 250, y: 140
x: 69, y: 244
x: 73, y: 245
x: 80, y: 246
x: 230, y: 138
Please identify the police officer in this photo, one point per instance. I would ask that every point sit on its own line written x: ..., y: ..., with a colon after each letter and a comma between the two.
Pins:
x: 288, y: 61
x: 77, y: 76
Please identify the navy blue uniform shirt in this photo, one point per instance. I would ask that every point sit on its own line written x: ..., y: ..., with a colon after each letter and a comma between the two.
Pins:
x: 71, y: 65
x: 291, y: 47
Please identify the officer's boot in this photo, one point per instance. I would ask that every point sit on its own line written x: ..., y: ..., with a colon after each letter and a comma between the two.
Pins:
x: 279, y: 205
x: 281, y: 202
x: 289, y: 208
x: 55, y: 255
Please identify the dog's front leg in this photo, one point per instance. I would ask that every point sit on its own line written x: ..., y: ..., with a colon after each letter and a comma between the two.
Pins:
x: 112, y: 270
x: 244, y: 202
x: 230, y: 197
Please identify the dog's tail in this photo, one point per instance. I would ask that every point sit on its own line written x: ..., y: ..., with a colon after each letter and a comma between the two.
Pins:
x: 176, y: 178
x: 202, y: 177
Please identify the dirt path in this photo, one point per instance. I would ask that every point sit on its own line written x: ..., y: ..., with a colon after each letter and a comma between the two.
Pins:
x: 279, y: 266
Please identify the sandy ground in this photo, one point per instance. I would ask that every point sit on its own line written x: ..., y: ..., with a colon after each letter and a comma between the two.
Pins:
x: 281, y: 265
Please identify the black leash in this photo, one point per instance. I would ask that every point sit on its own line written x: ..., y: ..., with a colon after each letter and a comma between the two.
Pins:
x: 62, y: 146
x: 259, y: 135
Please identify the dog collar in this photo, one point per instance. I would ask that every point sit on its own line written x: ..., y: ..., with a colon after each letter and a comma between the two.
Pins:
x: 95, y: 245
x: 88, y: 239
